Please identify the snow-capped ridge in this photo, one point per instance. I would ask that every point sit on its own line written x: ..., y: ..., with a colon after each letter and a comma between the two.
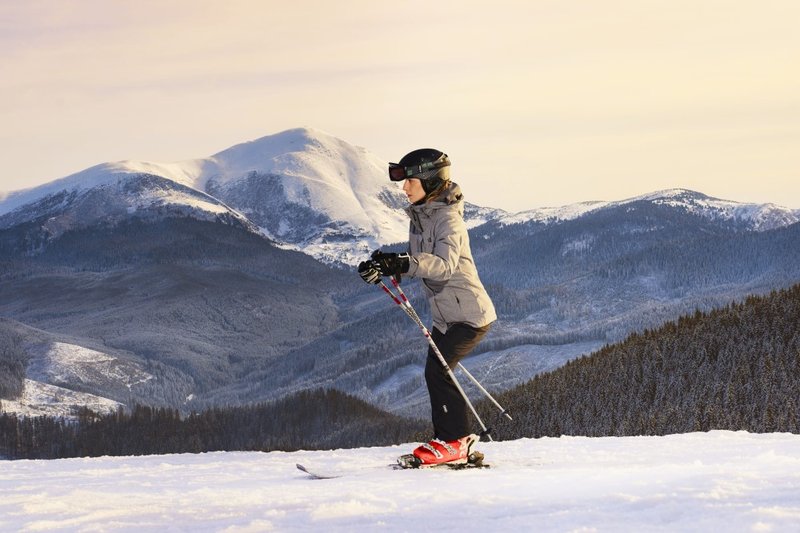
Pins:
x: 553, y: 214
x: 110, y: 193
x: 185, y: 173
x: 757, y: 217
x: 302, y: 188
x: 318, y: 170
x: 272, y: 152
x: 305, y: 190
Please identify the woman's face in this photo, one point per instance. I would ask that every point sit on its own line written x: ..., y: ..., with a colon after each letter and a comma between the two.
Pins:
x: 413, y: 189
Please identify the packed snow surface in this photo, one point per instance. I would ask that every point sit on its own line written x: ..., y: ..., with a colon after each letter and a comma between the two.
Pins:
x: 717, y: 481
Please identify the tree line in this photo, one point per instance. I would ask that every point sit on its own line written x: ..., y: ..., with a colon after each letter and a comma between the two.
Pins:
x: 319, y: 419
x: 13, y: 362
x: 734, y: 368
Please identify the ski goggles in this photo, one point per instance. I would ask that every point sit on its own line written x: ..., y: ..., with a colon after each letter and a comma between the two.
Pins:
x: 398, y: 172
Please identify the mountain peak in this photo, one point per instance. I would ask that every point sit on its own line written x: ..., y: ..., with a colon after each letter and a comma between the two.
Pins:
x: 307, y: 190
x: 311, y: 190
x: 291, y: 140
x: 674, y: 193
x: 302, y: 188
x: 290, y: 151
x: 756, y: 217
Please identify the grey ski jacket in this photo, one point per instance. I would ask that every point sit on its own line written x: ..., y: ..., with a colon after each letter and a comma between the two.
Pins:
x: 441, y: 256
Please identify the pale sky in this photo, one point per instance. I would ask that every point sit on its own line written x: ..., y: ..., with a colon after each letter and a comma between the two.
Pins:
x: 538, y: 102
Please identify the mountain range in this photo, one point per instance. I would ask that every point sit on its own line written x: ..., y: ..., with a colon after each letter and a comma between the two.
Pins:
x: 301, y: 188
x: 229, y: 279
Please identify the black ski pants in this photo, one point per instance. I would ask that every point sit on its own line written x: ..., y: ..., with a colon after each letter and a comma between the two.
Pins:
x: 448, y: 407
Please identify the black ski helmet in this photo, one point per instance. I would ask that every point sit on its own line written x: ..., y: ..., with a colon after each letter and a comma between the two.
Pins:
x: 431, y: 167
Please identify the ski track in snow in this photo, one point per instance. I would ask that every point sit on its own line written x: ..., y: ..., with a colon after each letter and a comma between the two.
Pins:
x: 717, y: 481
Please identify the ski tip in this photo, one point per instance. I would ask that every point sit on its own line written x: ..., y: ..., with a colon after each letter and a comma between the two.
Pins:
x: 313, y: 474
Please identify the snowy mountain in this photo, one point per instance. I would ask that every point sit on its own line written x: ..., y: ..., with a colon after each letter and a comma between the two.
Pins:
x: 301, y: 188
x: 311, y: 192
x: 166, y: 269
x: 716, y: 481
x: 749, y: 216
x: 43, y: 399
x: 110, y: 193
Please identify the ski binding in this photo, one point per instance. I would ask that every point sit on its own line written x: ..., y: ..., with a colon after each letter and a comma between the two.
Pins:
x: 410, y: 461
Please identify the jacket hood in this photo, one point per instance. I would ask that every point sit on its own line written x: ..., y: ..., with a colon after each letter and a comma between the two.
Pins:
x: 450, y: 196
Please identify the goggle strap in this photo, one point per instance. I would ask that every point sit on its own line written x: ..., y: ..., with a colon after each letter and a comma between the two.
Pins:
x: 415, y: 170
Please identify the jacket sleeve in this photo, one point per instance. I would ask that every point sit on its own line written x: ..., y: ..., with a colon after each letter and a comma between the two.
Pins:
x: 449, y: 235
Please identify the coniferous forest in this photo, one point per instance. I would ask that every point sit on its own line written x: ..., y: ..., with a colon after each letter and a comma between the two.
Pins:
x: 734, y: 368
x: 319, y: 419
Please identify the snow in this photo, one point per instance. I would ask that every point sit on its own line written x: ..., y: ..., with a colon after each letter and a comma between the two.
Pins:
x: 102, y: 175
x: 320, y: 171
x: 343, y: 183
x: 717, y: 481
x: 42, y: 399
x: 761, y: 217
x: 553, y: 214
x: 69, y: 363
x: 54, y: 366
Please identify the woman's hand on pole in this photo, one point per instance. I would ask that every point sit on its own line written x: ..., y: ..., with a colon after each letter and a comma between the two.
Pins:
x: 391, y: 264
x: 369, y: 272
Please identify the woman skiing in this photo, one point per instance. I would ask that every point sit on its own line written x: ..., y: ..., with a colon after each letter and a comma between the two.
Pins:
x: 462, y: 312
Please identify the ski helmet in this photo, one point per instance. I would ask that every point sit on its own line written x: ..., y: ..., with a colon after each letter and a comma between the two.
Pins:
x: 431, y: 167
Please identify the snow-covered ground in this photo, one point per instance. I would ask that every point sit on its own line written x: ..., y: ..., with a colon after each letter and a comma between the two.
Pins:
x: 43, y: 399
x: 718, y: 481
x: 72, y: 366
x: 60, y: 362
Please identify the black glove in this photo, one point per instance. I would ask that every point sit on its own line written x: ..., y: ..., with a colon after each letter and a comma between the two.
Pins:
x: 391, y: 264
x: 369, y: 272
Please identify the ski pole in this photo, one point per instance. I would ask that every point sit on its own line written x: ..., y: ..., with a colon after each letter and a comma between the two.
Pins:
x: 406, y: 304
x: 485, y: 392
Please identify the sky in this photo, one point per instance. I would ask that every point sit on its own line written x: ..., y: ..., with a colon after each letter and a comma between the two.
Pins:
x: 537, y: 102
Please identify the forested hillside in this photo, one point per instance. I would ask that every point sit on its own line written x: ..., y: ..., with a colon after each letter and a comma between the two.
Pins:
x: 191, y: 314
x: 735, y: 368
x: 13, y: 361
x: 308, y: 420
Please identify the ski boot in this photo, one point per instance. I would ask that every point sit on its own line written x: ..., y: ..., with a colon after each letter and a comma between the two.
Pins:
x: 454, y: 454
